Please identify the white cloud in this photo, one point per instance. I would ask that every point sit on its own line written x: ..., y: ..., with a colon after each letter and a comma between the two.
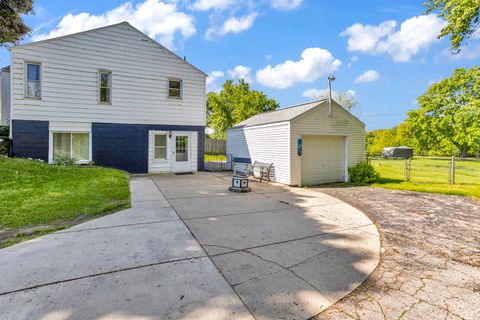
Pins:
x: 318, y: 94
x: 158, y: 19
x: 415, y: 34
x: 285, y: 4
x: 365, y: 38
x: 467, y: 53
x: 368, y: 76
x: 212, y: 80
x: 314, y: 63
x: 232, y: 25
x: 241, y: 72
x: 205, y: 5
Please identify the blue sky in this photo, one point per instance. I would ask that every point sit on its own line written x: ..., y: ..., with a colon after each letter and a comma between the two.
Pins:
x: 384, y: 53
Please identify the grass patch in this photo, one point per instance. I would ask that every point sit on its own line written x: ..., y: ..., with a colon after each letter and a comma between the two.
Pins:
x: 430, y: 175
x: 34, y: 194
x: 212, y: 157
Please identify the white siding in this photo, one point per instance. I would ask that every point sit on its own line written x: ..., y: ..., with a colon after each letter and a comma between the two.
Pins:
x: 267, y: 143
x: 70, y: 126
x: 318, y: 122
x: 140, y: 70
x: 194, y: 150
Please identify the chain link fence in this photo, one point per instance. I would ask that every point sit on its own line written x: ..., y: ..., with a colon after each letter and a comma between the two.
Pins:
x: 428, y: 170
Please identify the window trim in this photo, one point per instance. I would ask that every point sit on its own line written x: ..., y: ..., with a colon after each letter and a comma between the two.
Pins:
x: 165, y: 147
x: 50, y: 145
x: 151, y: 147
x: 100, y: 72
x: 25, y: 85
x: 181, y: 89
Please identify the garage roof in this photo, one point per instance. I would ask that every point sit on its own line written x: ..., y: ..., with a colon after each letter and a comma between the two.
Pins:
x: 279, y: 115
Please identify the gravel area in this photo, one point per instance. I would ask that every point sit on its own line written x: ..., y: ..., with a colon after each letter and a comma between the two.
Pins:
x: 430, y: 266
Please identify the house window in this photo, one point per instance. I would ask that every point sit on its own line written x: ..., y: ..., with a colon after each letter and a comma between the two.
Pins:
x: 33, y: 87
x: 71, y: 145
x: 175, y: 89
x: 160, y: 148
x: 105, y: 87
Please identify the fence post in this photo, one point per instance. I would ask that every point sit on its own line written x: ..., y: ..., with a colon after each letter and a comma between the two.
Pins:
x: 407, y: 170
x: 452, y: 171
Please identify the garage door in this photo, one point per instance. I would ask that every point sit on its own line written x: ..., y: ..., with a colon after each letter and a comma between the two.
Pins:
x: 323, y: 159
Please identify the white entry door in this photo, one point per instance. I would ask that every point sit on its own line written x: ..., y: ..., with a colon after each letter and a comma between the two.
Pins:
x: 182, y: 152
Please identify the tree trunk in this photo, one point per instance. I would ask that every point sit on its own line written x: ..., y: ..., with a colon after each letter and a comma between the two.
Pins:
x: 463, y: 152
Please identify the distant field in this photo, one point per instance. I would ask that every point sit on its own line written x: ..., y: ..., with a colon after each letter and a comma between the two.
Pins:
x: 430, y: 175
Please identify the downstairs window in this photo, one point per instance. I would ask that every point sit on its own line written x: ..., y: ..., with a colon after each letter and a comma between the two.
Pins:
x: 71, y: 146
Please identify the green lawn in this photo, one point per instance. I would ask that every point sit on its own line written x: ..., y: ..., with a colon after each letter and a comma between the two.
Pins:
x: 211, y: 157
x: 40, y: 198
x: 430, y: 175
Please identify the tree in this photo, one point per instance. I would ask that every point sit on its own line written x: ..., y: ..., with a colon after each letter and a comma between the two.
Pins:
x: 397, y: 136
x: 462, y: 16
x: 12, y: 27
x: 449, y: 114
x: 233, y: 104
x: 346, y: 99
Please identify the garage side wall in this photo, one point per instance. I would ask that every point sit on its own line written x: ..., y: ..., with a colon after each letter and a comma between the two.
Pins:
x: 268, y: 143
x: 318, y: 122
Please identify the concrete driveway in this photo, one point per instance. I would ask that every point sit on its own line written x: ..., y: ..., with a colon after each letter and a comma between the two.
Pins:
x: 189, y: 249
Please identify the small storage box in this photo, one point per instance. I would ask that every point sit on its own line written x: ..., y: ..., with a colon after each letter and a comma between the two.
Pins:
x: 239, y: 184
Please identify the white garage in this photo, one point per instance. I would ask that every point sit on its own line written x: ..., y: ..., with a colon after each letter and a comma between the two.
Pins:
x: 308, y: 144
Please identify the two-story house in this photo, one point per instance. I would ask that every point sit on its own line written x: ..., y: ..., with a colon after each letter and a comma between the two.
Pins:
x: 110, y: 95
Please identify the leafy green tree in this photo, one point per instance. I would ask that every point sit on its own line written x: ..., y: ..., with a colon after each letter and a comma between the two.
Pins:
x: 233, y: 104
x: 449, y: 114
x: 12, y: 27
x: 346, y: 99
x: 462, y: 16
x: 376, y: 140
x: 397, y: 136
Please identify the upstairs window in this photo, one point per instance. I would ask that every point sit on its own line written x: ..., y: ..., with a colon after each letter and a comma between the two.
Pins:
x: 105, y: 87
x: 33, y: 87
x: 175, y: 89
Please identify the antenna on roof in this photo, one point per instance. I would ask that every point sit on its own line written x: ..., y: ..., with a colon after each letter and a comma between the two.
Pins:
x: 330, y: 79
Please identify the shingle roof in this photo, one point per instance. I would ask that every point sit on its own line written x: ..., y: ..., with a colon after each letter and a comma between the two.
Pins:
x: 7, y: 68
x: 279, y: 115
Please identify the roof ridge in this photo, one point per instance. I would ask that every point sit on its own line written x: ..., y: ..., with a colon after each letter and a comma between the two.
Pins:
x: 288, y: 113
x: 290, y: 107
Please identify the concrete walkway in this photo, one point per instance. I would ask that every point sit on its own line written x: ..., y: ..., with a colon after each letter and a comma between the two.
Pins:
x: 189, y: 249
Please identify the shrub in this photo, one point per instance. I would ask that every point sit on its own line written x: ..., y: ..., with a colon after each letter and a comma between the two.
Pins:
x: 4, y: 131
x: 64, y: 161
x: 363, y: 173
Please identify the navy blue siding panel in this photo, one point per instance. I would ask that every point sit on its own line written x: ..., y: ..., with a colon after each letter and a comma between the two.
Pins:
x: 30, y: 139
x: 201, y: 150
x: 125, y: 146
